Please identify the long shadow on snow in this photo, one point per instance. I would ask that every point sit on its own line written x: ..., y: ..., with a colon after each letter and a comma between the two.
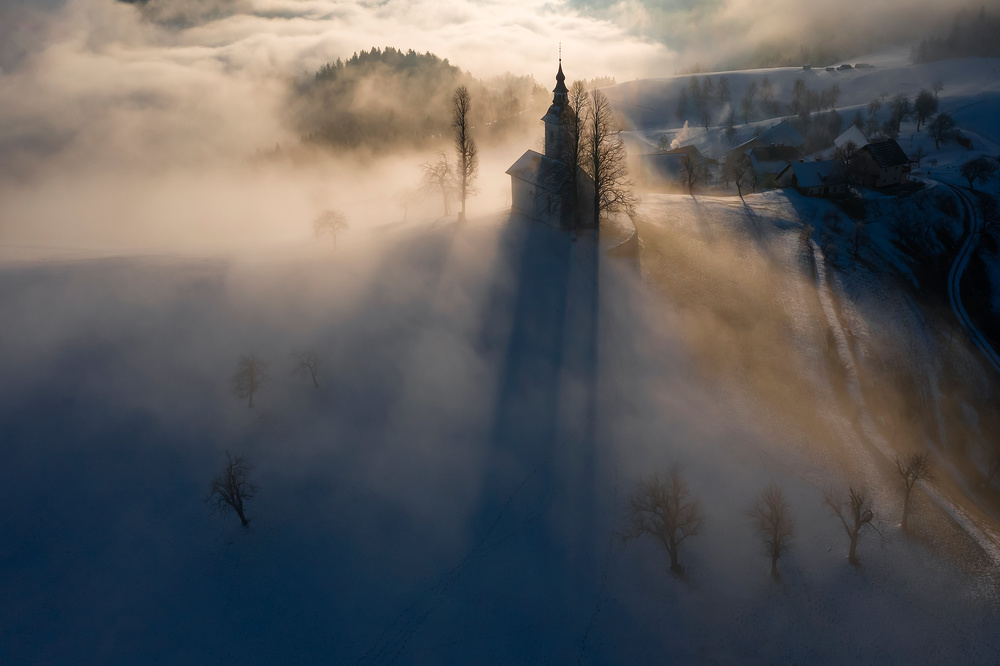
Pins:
x: 527, y: 586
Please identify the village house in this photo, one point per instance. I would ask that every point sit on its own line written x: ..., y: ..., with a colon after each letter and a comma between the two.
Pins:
x: 670, y: 168
x: 817, y: 178
x: 541, y: 183
x: 851, y: 135
x: 888, y: 166
x: 782, y: 134
x: 769, y: 161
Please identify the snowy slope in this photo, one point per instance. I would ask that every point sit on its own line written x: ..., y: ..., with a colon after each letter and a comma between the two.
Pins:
x: 971, y: 92
x: 452, y: 493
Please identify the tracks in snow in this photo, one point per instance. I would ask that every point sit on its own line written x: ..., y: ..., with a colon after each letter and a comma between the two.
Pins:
x: 955, y: 278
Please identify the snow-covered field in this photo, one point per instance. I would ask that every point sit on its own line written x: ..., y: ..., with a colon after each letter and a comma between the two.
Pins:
x: 454, y: 491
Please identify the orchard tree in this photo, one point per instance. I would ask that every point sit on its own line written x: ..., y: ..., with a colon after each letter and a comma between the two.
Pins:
x: 977, y: 169
x: 925, y: 106
x: 723, y: 94
x: 694, y: 172
x: 855, y: 514
x: 900, y: 108
x: 250, y: 373
x: 942, y: 128
x: 467, y: 165
x: 306, y: 362
x: 663, y: 507
x: 231, y: 488
x: 912, y: 468
x: 438, y: 177
x: 735, y: 170
x: 330, y: 222
x: 770, y: 516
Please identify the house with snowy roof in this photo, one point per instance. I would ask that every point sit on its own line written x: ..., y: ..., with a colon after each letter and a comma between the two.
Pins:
x: 541, y: 184
x: 888, y: 165
x: 769, y: 161
x: 782, y: 134
x: 816, y: 178
x: 851, y: 135
x: 669, y: 167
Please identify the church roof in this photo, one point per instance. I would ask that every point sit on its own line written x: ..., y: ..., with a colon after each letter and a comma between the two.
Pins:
x: 539, y: 170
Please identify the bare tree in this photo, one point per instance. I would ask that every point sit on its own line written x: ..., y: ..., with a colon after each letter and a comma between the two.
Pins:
x: 911, y: 469
x: 330, y: 222
x: 872, y: 127
x: 977, y: 168
x: 404, y: 199
x: 723, y: 95
x: 925, y: 106
x: 438, y: 176
x: 735, y: 169
x: 682, y: 104
x: 231, y: 488
x: 848, y: 160
x: 855, y: 513
x: 467, y: 165
x: 694, y: 172
x: 755, y: 178
x: 250, y: 373
x: 573, y: 140
x: 919, y: 154
x: 705, y: 117
x: 308, y: 363
x: 942, y: 128
x: 606, y: 159
x: 665, y: 509
x: 772, y: 521
x: 875, y: 105
x: 937, y: 87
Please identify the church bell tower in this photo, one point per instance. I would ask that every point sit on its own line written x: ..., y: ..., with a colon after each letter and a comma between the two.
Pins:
x: 553, y: 118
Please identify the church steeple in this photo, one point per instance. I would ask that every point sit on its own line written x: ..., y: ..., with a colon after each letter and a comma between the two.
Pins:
x: 560, y: 94
x: 553, y: 119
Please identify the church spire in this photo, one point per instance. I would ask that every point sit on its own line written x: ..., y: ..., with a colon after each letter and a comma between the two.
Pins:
x: 560, y: 94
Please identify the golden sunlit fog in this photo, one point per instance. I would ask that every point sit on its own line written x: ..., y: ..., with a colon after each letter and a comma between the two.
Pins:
x: 269, y: 396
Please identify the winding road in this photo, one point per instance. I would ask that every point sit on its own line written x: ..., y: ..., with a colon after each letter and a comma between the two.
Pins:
x: 955, y: 277
x: 958, y: 269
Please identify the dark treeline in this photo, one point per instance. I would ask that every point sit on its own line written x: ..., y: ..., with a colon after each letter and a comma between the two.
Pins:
x: 388, y: 97
x: 970, y: 35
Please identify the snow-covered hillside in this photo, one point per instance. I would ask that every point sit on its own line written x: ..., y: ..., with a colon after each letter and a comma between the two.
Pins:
x: 971, y: 94
x: 455, y: 490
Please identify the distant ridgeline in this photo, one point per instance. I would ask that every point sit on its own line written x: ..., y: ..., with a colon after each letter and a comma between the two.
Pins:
x: 970, y: 36
x: 387, y: 97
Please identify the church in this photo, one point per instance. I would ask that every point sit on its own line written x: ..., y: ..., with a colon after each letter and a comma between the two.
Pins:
x: 540, y: 184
